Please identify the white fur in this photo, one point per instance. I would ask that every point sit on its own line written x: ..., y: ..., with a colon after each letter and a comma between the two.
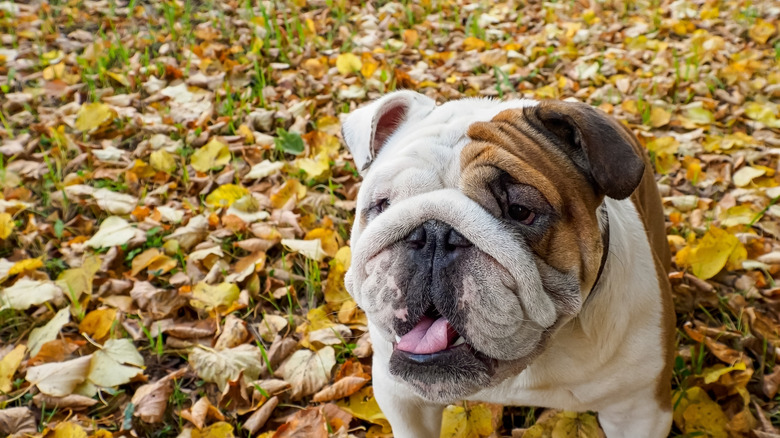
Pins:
x: 606, y: 359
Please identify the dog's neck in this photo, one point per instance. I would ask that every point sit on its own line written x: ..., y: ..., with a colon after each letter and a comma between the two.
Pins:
x: 604, y: 227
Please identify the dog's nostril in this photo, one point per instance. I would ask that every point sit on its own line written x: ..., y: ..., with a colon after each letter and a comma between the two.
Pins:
x: 416, y: 239
x: 456, y: 240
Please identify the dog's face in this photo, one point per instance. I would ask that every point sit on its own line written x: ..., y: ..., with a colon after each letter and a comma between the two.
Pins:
x: 477, y: 231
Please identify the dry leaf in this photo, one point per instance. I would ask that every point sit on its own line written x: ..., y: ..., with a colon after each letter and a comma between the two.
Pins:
x: 307, y: 371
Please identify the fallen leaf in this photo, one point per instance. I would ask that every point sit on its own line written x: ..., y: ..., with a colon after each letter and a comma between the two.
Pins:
x: 347, y: 63
x: 98, y: 323
x: 213, y: 154
x: 311, y: 249
x: 225, y: 195
x: 363, y: 405
x: 6, y: 225
x: 307, y: 423
x: 26, y: 293
x: 696, y: 412
x: 93, y: 115
x: 206, y: 296
x: 307, y: 371
x: 18, y: 421
x: 60, y: 378
x: 8, y: 366
x: 343, y: 388
x: 48, y: 332
x: 151, y: 400
x: 216, y: 430
x: 223, y: 366
x: 117, y: 363
x: 113, y: 202
x: 711, y: 254
x: 475, y: 422
x: 113, y: 231
x: 746, y: 175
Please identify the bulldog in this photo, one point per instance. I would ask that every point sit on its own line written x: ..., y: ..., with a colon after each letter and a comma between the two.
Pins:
x: 510, y: 252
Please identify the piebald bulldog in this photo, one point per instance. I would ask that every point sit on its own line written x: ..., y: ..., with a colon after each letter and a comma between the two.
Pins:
x: 510, y: 252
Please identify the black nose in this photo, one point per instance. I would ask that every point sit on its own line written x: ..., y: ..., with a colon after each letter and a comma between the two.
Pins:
x: 436, y: 240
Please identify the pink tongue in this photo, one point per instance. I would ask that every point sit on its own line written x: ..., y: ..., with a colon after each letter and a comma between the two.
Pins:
x: 428, y: 336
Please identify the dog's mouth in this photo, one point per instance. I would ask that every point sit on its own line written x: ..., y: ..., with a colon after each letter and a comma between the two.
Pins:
x: 431, y: 335
x: 438, y: 361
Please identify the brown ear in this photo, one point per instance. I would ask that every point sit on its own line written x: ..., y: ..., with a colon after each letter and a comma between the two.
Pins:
x: 606, y: 151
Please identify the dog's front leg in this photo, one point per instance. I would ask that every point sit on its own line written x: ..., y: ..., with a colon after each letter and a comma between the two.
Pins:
x: 641, y: 416
x: 410, y: 416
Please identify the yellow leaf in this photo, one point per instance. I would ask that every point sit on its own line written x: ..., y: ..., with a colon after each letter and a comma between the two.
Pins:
x: 93, y: 115
x: 709, y: 255
x: 473, y: 43
x: 27, y: 265
x: 220, y: 429
x: 315, y: 168
x: 209, y: 297
x: 565, y: 425
x: 369, y: 65
x: 98, y: 323
x: 318, y: 319
x: 334, y: 291
x: 328, y: 238
x: 162, y: 161
x: 8, y: 366
x: 663, y: 150
x: 663, y: 145
x: 761, y: 31
x: 153, y: 261
x: 291, y: 187
x: 68, y: 430
x: 696, y: 412
x: 6, y: 225
x: 78, y: 281
x: 363, y: 405
x: 659, y: 117
x: 713, y: 374
x: 213, y: 154
x: 738, y: 215
x: 458, y: 422
x: 699, y: 116
x: 764, y: 113
x: 225, y: 195
x: 121, y: 79
x: 347, y: 63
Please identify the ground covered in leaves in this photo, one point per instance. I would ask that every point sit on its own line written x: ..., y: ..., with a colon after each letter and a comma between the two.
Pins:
x: 176, y: 201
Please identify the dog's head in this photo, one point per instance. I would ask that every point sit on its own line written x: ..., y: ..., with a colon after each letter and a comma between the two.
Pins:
x: 478, y: 229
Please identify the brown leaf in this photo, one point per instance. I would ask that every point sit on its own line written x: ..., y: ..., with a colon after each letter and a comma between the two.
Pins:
x: 200, y: 411
x: 151, y: 400
x: 19, y: 421
x: 72, y: 401
x: 258, y: 419
x: 343, y: 388
x: 307, y: 423
x: 234, y: 333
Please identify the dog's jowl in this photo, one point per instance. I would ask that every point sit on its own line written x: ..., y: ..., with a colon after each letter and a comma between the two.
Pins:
x: 511, y: 252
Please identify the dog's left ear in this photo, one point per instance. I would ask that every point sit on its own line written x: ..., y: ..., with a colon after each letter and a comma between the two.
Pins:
x: 607, y: 151
x: 368, y: 129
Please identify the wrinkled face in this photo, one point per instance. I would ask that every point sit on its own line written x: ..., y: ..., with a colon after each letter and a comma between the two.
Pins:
x: 472, y: 244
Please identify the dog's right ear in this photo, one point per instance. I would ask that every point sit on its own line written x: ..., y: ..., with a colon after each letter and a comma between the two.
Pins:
x: 368, y: 129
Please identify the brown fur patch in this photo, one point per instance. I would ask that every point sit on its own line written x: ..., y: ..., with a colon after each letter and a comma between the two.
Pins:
x: 509, y: 143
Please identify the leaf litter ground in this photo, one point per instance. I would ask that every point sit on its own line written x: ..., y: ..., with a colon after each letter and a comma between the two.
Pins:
x: 176, y: 201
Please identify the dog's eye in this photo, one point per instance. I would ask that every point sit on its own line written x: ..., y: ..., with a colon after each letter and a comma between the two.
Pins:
x: 521, y: 214
x: 380, y: 205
